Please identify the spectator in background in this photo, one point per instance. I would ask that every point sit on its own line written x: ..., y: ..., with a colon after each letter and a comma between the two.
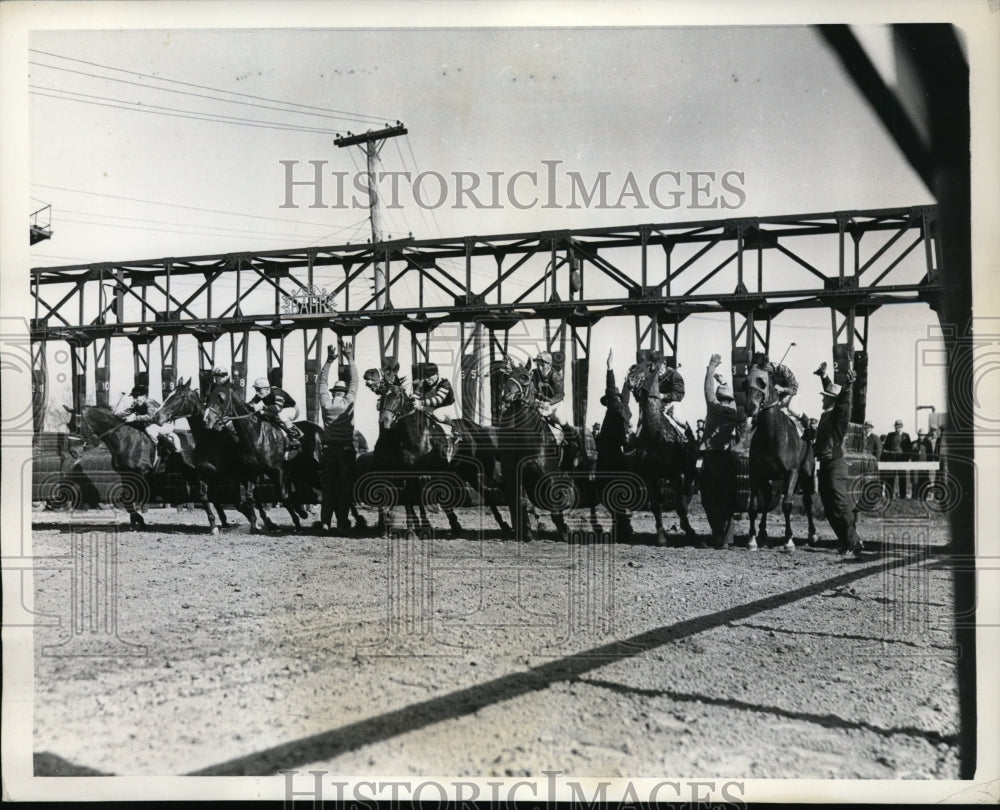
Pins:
x: 873, y: 444
x: 922, y: 451
x: 897, y: 447
x: 699, y: 433
x: 934, y: 438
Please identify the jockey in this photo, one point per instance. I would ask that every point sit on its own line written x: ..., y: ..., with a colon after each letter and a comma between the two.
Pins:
x: 140, y: 413
x: 276, y: 405
x: 550, y: 392
x: 220, y: 377
x: 432, y: 392
x: 724, y: 421
x: 784, y: 382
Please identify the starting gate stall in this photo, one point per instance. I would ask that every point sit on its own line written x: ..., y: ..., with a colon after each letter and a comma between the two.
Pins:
x: 567, y: 280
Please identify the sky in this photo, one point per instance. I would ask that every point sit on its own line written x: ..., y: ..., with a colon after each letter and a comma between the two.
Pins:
x: 769, y: 103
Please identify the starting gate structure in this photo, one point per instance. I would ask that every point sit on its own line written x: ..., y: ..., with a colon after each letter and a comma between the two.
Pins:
x: 483, y: 287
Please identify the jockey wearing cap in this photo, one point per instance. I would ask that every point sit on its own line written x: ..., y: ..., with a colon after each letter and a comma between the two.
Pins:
x: 549, y: 385
x: 432, y: 392
x: 783, y: 380
x: 276, y: 405
x: 140, y: 413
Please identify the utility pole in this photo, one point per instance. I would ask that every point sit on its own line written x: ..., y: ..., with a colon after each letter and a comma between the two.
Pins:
x: 371, y: 143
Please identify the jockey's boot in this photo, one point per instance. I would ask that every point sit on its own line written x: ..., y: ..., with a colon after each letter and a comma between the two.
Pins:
x: 166, y: 446
x: 294, y: 436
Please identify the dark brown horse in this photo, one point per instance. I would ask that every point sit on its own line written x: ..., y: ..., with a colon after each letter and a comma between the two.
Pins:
x: 529, y: 457
x: 412, y: 453
x: 134, y: 457
x: 663, y: 453
x: 777, y: 455
x: 261, y: 454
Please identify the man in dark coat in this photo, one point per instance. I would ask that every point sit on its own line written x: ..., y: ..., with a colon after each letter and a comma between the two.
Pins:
x: 339, y: 454
x: 897, y: 447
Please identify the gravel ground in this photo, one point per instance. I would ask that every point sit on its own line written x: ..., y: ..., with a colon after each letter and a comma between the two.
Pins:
x: 251, y: 653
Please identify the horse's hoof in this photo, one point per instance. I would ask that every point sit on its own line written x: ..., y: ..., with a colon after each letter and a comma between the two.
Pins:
x: 788, y: 548
x: 360, y: 522
x: 752, y: 545
x: 215, y: 531
x: 661, y: 540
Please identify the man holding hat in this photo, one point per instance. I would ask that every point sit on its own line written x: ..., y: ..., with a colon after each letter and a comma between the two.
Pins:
x: 140, y: 412
x: 723, y: 429
x: 339, y: 456
x: 829, y: 450
x: 276, y: 405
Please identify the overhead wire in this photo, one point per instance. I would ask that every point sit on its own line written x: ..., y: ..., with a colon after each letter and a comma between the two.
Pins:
x: 201, y: 95
x: 170, y: 112
x: 371, y: 118
x: 177, y: 205
x: 234, y: 231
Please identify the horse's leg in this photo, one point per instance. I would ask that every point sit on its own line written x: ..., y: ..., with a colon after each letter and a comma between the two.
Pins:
x: 247, y: 504
x: 656, y: 506
x: 752, y: 516
x: 203, y: 500
x: 808, y: 487
x: 135, y: 518
x: 682, y: 510
x: 288, y: 500
x: 359, y: 519
x: 790, y: 480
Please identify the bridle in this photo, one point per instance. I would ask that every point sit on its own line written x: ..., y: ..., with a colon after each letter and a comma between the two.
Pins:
x: 394, y: 401
x: 761, y: 395
x: 520, y: 380
x: 224, y: 415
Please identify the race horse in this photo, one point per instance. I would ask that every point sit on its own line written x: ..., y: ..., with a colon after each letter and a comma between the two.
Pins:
x: 477, y: 463
x: 216, y: 454
x: 261, y: 450
x: 778, y: 455
x: 412, y: 454
x: 662, y: 452
x: 134, y: 456
x: 530, y: 457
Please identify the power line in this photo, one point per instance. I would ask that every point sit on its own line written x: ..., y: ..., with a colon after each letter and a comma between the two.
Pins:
x: 177, y: 205
x: 235, y: 231
x: 171, y: 112
x: 184, y: 233
x: 359, y: 116
x: 199, y: 95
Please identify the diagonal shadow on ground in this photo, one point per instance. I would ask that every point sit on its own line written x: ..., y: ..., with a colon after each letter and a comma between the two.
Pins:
x: 329, y: 744
x: 825, y: 720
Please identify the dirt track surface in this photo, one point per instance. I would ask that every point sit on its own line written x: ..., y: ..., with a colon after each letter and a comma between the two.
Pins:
x: 484, y: 657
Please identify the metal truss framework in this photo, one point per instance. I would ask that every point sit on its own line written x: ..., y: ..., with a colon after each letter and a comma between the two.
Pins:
x: 91, y: 303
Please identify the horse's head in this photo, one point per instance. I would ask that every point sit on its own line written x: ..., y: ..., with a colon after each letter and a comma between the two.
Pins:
x: 94, y: 423
x: 760, y: 391
x: 222, y: 406
x: 643, y: 380
x: 180, y: 404
x: 395, y: 405
x: 517, y: 390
